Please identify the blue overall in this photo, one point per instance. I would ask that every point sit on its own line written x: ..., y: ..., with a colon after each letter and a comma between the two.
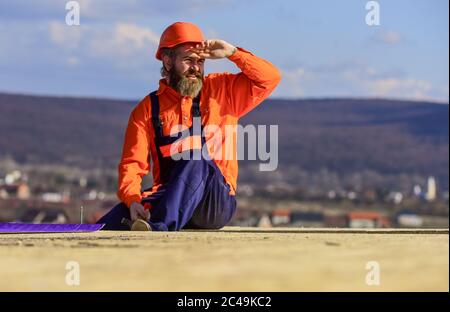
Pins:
x: 193, y: 192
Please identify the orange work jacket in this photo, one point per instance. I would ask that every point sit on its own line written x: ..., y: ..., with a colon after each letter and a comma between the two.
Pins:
x: 225, y: 97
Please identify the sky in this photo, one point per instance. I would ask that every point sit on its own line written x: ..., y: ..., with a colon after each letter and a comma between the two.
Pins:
x: 323, y: 48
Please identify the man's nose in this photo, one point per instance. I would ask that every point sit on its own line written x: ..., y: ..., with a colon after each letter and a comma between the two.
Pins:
x: 195, y: 67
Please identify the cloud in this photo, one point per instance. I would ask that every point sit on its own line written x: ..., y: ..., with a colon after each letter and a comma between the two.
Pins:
x: 391, y: 84
x: 374, y: 84
x: 123, y: 39
x: 138, y: 37
x: 126, y: 45
x: 403, y: 88
x: 353, y: 79
x: 123, y: 45
x: 388, y: 37
x: 294, y: 79
x: 66, y: 36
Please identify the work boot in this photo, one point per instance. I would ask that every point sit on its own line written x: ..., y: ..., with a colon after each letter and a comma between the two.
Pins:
x: 140, y: 225
x: 137, y: 225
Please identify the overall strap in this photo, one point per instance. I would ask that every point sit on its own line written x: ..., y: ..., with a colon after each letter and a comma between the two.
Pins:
x: 156, y: 120
x: 196, y: 107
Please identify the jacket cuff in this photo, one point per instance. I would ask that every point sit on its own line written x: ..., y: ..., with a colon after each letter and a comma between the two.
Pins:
x: 238, y: 54
x: 133, y: 198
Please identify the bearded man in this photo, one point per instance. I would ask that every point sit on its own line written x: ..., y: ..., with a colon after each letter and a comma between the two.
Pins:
x: 161, y: 137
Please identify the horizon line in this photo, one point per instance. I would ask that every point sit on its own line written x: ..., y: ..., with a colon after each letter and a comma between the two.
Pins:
x: 310, y: 98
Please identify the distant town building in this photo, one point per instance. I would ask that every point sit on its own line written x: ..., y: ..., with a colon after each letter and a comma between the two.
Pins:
x: 409, y: 219
x: 367, y: 219
x: 351, y: 195
x: 431, y: 189
x: 335, y: 219
x: 395, y: 197
x: 94, y: 195
x: 83, y: 182
x: 13, y: 177
x: 417, y: 190
x: 19, y: 190
x: 264, y: 221
x: 281, y: 216
x: 23, y: 191
x: 307, y: 218
x: 331, y: 194
x: 52, y: 197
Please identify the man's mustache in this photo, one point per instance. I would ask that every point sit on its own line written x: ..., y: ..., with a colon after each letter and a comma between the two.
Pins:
x: 193, y: 72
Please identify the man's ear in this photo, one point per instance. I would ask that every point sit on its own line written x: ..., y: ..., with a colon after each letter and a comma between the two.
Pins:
x: 167, y: 62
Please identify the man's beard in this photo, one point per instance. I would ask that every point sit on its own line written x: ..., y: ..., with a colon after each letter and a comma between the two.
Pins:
x: 184, y: 85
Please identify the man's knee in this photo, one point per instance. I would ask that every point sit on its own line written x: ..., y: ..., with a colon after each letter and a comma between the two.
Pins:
x: 207, y: 222
x: 205, y: 225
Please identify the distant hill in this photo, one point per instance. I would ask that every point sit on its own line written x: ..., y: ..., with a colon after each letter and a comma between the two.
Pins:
x: 342, y: 135
x: 347, y: 135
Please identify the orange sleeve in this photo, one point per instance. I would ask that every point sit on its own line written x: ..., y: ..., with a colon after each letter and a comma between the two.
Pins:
x: 253, y: 85
x: 134, y: 163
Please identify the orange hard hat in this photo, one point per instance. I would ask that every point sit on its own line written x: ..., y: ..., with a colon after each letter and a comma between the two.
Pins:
x: 177, y: 33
